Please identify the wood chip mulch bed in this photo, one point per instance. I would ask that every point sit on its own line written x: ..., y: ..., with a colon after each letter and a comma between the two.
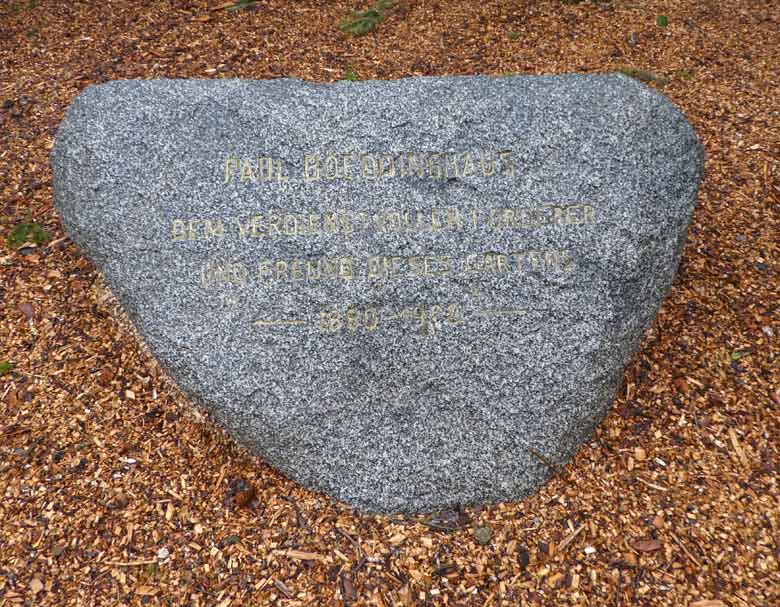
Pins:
x: 115, y: 491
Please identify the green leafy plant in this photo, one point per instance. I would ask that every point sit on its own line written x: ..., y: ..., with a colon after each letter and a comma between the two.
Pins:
x: 662, y: 20
x: 27, y: 231
x: 5, y: 367
x: 363, y: 22
x: 644, y: 75
x: 350, y: 75
x: 241, y: 4
x: 513, y: 36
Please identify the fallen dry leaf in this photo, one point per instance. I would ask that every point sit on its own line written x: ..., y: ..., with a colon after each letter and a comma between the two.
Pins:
x: 682, y: 385
x: 244, y: 498
x: 647, y: 545
x: 27, y: 309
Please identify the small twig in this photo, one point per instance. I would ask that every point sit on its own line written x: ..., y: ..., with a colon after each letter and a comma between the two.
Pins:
x: 129, y: 563
x: 352, y: 541
x: 684, y: 549
x: 649, y: 484
x: 665, y: 574
x: 438, y: 526
x: 221, y: 476
x: 264, y: 584
x: 299, y: 514
x: 283, y: 588
x: 57, y: 241
x: 570, y: 538
x: 542, y: 458
x: 97, y: 577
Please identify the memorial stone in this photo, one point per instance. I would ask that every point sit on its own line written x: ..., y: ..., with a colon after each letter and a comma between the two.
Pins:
x: 406, y: 294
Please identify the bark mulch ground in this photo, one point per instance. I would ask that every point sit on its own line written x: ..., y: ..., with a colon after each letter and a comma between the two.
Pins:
x: 115, y: 491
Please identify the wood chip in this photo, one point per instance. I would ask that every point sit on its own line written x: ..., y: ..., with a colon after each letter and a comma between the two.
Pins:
x: 301, y: 555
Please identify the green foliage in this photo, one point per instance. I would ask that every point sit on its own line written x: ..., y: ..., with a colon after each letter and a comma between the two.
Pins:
x: 5, y: 367
x: 27, y: 231
x: 363, y: 22
x: 350, y: 75
x: 662, y: 20
x: 513, y: 36
x: 240, y: 4
x: 15, y: 7
x: 644, y: 75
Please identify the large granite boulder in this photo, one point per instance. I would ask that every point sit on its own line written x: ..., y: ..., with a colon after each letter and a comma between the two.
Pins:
x: 406, y: 294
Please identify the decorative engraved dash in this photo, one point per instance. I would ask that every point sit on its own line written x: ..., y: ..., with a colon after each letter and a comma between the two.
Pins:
x: 278, y: 323
x: 504, y: 312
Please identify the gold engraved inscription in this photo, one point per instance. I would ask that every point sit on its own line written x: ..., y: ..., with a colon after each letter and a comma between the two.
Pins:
x: 367, y: 319
x: 197, y: 229
x: 373, y: 166
x: 305, y: 270
x: 255, y: 170
x: 222, y: 274
x: 276, y: 272
x: 420, y: 165
x: 285, y: 224
x: 519, y: 261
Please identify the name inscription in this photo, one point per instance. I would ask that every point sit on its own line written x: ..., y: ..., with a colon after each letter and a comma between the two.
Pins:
x: 372, y: 167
